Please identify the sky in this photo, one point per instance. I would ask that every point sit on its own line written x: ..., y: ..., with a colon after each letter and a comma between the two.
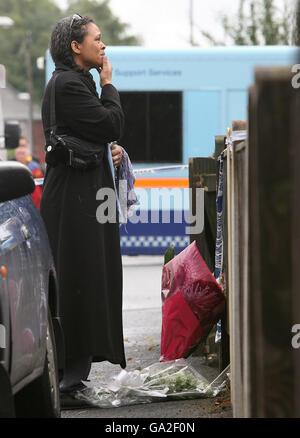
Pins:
x: 166, y: 23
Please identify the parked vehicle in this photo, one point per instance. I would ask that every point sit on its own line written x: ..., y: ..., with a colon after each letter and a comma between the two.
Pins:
x: 29, y: 322
x: 28, y: 303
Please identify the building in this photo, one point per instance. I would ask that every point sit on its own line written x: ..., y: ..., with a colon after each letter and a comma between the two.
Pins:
x: 15, y: 107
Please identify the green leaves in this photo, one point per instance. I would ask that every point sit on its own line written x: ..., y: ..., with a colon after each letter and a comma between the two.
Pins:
x: 169, y: 254
x: 260, y: 22
x: 33, y: 23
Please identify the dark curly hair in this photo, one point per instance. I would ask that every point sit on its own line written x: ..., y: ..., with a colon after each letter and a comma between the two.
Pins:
x: 61, y: 37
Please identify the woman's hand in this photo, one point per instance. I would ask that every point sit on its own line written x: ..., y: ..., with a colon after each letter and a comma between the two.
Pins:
x: 117, y: 153
x: 105, y: 72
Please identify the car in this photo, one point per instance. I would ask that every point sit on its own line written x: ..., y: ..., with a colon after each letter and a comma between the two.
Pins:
x: 31, y: 339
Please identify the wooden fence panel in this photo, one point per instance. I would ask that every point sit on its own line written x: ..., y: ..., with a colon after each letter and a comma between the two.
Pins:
x: 271, y: 375
x: 295, y: 156
x: 236, y: 216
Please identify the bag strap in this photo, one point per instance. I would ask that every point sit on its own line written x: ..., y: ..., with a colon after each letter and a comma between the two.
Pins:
x: 52, y: 107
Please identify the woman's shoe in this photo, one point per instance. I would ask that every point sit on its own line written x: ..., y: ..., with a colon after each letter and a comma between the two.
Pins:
x: 68, y: 399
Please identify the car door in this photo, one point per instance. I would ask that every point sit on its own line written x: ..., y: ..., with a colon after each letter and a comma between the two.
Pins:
x: 15, y: 255
x: 4, y: 307
x: 35, y: 235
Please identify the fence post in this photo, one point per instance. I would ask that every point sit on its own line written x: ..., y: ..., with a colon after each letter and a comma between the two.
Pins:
x: 247, y: 313
x: 236, y: 184
x: 202, y: 174
x: 223, y: 345
x: 273, y: 249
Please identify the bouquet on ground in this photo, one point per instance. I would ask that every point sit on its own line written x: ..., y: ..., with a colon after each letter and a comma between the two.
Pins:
x: 192, y: 303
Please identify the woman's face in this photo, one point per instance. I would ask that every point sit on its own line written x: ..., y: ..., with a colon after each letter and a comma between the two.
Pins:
x: 89, y: 54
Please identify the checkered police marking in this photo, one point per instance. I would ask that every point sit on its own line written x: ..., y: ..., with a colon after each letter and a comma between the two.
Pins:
x: 154, y: 241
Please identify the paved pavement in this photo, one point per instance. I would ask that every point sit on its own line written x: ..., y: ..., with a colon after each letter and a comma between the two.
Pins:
x: 142, y: 330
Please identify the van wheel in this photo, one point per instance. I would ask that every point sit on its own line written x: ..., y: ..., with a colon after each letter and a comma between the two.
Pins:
x: 40, y: 399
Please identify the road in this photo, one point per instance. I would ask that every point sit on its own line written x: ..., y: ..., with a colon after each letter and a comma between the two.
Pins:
x: 142, y: 330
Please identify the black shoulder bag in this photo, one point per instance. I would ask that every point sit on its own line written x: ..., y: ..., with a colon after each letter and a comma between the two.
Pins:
x: 68, y: 150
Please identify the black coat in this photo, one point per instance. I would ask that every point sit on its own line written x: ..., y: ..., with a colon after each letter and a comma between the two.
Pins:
x: 86, y: 253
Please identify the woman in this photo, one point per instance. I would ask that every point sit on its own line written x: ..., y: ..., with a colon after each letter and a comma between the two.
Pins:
x: 86, y: 253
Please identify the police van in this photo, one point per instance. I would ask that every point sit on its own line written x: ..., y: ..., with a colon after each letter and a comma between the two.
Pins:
x: 175, y: 103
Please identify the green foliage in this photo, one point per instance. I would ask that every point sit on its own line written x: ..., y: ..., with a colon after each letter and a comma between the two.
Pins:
x: 169, y: 254
x: 296, y: 32
x: 259, y: 22
x: 33, y: 23
x: 180, y: 381
x: 10, y: 154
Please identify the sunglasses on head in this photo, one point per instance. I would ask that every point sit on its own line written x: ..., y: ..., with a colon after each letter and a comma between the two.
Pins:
x: 75, y: 17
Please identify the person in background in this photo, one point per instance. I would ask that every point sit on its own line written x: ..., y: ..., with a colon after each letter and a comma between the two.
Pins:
x: 22, y: 155
x: 24, y: 142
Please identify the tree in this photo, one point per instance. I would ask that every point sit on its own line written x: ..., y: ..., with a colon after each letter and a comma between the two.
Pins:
x: 30, y: 34
x: 259, y: 22
x: 113, y: 30
x: 297, y: 27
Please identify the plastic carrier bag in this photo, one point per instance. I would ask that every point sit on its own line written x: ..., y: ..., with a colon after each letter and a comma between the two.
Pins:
x: 174, y: 380
x: 192, y: 303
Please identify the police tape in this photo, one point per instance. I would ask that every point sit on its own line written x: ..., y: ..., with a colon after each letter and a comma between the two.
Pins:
x: 40, y: 181
x: 236, y: 136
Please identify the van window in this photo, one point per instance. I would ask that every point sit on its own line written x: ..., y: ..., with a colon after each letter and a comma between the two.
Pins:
x: 153, y: 126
